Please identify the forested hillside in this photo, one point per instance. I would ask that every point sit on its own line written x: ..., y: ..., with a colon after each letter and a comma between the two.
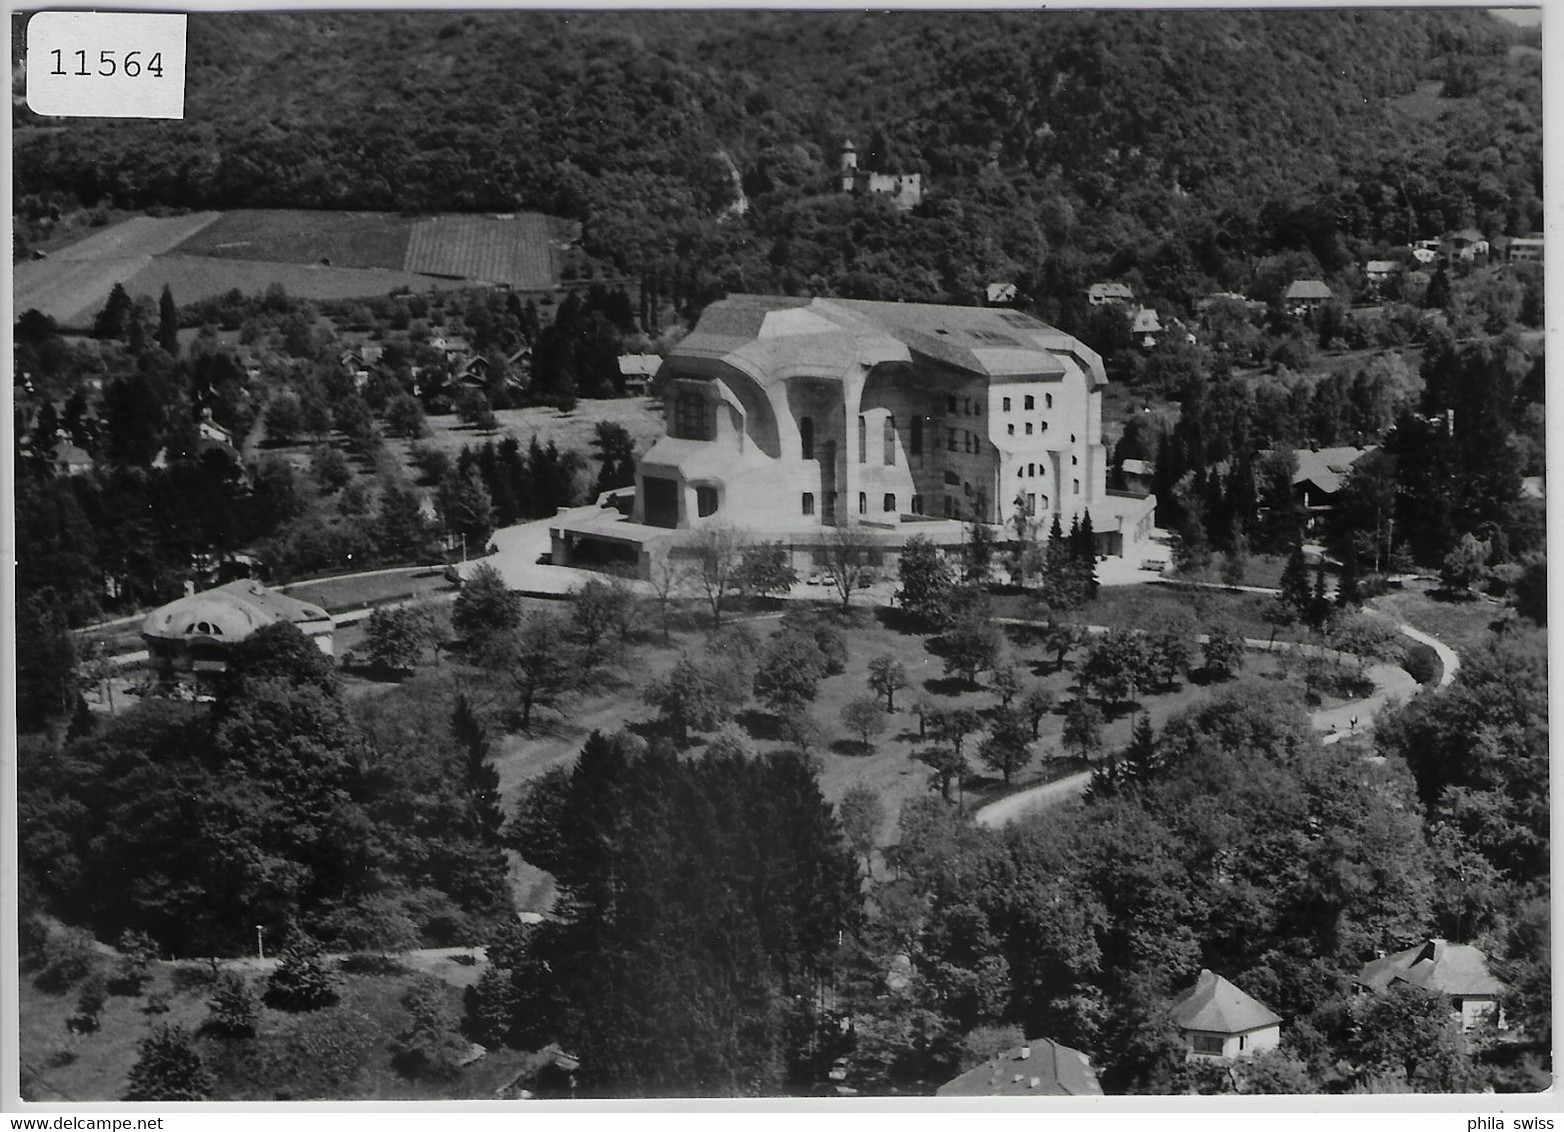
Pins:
x: 1055, y: 146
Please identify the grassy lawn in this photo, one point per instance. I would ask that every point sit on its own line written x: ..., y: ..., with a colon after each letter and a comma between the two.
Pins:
x: 1465, y: 626
x: 641, y: 417
x: 337, y: 594
x: 347, y: 239
x: 342, y: 1051
x: 1133, y: 607
x: 888, y: 766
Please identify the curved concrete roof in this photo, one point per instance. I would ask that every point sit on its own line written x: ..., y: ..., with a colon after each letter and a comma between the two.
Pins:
x: 231, y: 611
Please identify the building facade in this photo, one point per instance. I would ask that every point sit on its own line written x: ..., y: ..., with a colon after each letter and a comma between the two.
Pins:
x: 789, y: 414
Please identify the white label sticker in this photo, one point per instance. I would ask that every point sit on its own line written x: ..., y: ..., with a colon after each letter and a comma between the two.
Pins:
x: 106, y: 65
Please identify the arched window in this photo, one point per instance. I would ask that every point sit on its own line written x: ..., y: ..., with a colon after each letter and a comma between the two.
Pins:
x: 1030, y: 403
x: 890, y: 440
x: 806, y: 437
x: 809, y: 503
x: 1048, y: 400
x: 863, y: 441
x: 706, y: 501
x: 890, y: 502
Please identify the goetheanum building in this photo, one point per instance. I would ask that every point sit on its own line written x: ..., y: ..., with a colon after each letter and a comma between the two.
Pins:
x: 788, y: 415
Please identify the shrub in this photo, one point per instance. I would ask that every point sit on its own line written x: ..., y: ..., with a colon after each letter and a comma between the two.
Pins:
x: 301, y: 981
x: 168, y: 1068
x: 93, y: 994
x: 138, y: 951
x: 368, y: 963
x: 68, y: 959
x: 429, y: 1045
x: 1423, y: 663
x: 234, y: 1009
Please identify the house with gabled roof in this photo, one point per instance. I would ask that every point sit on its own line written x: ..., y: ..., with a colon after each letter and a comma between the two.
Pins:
x: 1457, y: 970
x: 1099, y: 293
x: 1218, y: 1020
x: 1305, y: 295
x: 1038, y: 1068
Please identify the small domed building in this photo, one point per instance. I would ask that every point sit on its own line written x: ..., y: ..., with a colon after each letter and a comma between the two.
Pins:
x: 190, y: 637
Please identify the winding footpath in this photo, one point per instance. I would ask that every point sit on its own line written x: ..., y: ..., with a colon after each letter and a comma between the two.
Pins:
x: 1392, y: 684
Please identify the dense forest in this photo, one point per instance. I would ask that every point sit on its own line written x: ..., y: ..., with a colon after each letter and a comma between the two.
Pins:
x: 1172, y: 149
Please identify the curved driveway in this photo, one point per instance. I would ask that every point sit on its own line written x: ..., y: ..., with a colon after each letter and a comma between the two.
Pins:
x: 1392, y: 684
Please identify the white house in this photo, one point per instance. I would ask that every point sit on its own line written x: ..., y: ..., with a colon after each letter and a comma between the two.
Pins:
x: 1458, y: 970
x: 1220, y: 1021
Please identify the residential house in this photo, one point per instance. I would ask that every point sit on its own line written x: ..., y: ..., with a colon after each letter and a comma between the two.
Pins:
x: 1137, y: 474
x: 637, y: 370
x: 1379, y: 270
x: 1146, y: 327
x: 1457, y: 970
x: 1000, y: 294
x: 1305, y: 295
x: 1465, y: 246
x: 1218, y: 1020
x: 1525, y: 249
x: 68, y: 459
x: 1099, y: 294
x: 1320, y: 475
x: 1039, y: 1068
x: 189, y: 638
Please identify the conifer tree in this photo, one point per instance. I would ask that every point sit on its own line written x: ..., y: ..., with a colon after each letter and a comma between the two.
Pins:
x: 1140, y: 757
x: 1295, y: 584
x: 1086, y: 556
x: 168, y: 323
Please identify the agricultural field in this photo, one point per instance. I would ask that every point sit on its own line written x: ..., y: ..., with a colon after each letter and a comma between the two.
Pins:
x: 344, y: 239
x: 514, y: 250
x: 71, y: 285
x: 315, y: 255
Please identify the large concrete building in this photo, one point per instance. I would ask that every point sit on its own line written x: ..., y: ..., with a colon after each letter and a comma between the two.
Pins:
x: 789, y: 415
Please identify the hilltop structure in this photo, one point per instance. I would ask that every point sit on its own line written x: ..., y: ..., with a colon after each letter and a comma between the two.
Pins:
x: 190, y: 637
x: 904, y: 189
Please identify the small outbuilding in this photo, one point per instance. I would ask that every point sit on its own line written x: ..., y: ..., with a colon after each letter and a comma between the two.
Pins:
x: 1219, y: 1020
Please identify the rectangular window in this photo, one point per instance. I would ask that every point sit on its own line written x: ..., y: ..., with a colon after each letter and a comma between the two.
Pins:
x: 952, y: 438
x: 863, y: 503
x: 863, y: 441
x: 1006, y: 404
x: 1030, y: 403
x: 890, y: 502
x: 917, y: 504
x: 950, y: 405
x: 1029, y: 428
x: 917, y: 436
x: 1031, y: 504
x: 1048, y: 400
x: 689, y: 417
x: 890, y: 441
x: 809, y: 503
x: 1207, y: 1043
x: 1010, y: 429
x: 806, y: 437
x: 1077, y: 487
